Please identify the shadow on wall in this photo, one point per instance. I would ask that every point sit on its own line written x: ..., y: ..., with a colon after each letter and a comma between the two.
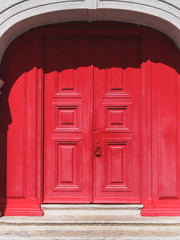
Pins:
x: 18, y: 109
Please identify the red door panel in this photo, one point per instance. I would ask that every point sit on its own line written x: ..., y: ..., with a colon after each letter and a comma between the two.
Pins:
x: 117, y: 121
x: 68, y: 121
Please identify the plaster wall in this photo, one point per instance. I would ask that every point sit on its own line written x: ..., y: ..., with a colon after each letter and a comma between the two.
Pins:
x: 18, y: 16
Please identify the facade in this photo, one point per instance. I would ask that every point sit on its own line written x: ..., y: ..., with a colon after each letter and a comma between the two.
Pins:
x: 90, y: 104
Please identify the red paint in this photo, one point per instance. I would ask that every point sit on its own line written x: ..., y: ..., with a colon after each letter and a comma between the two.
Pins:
x: 68, y: 121
x: 90, y: 113
x: 117, y: 120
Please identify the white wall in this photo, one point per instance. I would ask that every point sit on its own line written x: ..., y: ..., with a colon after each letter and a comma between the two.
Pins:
x: 18, y: 16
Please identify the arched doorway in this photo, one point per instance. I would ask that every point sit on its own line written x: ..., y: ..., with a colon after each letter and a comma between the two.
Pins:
x: 90, y: 114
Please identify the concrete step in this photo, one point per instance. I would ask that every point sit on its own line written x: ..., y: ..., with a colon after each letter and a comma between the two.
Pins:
x: 80, y: 222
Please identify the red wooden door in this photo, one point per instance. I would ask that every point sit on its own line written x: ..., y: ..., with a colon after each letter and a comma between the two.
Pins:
x: 68, y: 121
x: 74, y: 73
x: 117, y: 121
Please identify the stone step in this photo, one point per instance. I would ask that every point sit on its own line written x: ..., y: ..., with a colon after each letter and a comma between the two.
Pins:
x: 87, y: 222
x: 91, y: 209
x: 109, y: 232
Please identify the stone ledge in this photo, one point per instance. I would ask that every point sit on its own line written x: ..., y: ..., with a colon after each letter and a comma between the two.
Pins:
x: 91, y: 206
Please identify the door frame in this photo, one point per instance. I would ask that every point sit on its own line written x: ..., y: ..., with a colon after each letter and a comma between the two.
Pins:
x: 100, y: 30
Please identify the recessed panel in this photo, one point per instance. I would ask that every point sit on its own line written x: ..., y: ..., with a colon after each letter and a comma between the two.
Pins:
x: 67, y: 61
x: 118, y: 118
x: 67, y: 166
x: 117, y: 79
x: 117, y: 166
x: 68, y: 81
x: 66, y: 162
x: 115, y: 73
x: 67, y: 118
x: 116, y: 154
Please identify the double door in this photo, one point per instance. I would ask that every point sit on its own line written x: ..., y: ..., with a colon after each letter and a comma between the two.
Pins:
x: 92, y: 120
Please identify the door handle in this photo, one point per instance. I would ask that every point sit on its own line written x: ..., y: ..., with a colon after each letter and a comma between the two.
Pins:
x: 98, y: 152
